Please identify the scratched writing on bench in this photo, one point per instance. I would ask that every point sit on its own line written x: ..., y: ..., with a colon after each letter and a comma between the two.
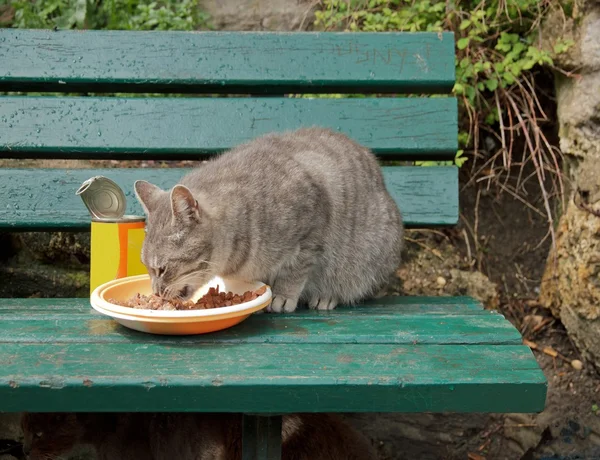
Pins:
x: 389, y: 56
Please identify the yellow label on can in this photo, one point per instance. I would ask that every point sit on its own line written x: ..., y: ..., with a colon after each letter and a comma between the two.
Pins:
x: 116, y: 249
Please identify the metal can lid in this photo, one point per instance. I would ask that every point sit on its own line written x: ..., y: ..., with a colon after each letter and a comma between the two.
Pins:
x: 103, y: 198
x: 119, y: 220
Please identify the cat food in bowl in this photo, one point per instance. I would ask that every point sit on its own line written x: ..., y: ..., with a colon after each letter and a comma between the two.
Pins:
x: 215, y: 306
x: 212, y: 299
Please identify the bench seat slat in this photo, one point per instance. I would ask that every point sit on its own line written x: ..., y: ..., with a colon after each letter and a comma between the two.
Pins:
x: 393, y: 327
x: 390, y: 359
x: 246, y: 62
x: 140, y: 376
x: 38, y: 199
x: 175, y: 128
x: 381, y: 307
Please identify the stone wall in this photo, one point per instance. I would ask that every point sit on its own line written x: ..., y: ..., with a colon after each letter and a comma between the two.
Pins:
x: 274, y: 15
x: 571, y: 285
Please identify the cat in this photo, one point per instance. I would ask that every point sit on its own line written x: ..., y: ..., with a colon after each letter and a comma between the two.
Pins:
x: 306, y: 212
x: 148, y: 436
x: 114, y: 436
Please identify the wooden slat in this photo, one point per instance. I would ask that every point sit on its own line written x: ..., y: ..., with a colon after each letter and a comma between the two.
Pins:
x: 261, y: 438
x: 395, y: 323
x: 57, y: 127
x: 45, y: 199
x: 269, y: 378
x: 245, y: 62
x: 384, y: 306
x: 399, y: 354
x: 468, y: 329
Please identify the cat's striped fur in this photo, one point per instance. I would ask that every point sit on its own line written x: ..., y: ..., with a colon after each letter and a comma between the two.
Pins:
x: 306, y: 212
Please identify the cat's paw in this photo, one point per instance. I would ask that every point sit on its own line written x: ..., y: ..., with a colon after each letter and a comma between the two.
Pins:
x: 322, y: 304
x: 281, y: 304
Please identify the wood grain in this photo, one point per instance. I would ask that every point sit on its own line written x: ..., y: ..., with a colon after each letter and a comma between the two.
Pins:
x: 261, y: 437
x: 251, y: 378
x: 45, y: 198
x: 393, y: 305
x: 70, y: 321
x: 401, y: 355
x: 225, y: 62
x: 176, y: 128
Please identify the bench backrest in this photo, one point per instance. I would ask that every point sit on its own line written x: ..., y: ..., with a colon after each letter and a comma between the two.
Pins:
x: 258, y: 71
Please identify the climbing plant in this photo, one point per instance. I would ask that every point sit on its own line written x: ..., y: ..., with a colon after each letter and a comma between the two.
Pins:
x: 498, y: 52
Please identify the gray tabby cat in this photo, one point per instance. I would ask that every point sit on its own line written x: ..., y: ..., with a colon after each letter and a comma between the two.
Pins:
x: 306, y: 212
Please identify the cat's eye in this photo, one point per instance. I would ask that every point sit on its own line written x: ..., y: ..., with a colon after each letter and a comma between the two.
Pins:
x: 160, y: 271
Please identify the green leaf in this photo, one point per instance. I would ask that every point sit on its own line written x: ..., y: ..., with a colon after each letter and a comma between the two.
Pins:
x: 528, y: 65
x: 563, y: 46
x: 491, y: 119
x: 518, y: 48
x: 508, y: 78
x: 470, y: 93
x: 463, y: 43
x: 464, y: 24
x: 464, y: 63
x: 459, y: 160
x: 492, y: 84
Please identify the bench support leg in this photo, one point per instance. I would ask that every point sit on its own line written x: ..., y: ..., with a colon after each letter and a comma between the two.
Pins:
x: 261, y: 437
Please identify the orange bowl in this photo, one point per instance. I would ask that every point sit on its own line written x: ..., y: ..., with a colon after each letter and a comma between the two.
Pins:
x: 185, y: 322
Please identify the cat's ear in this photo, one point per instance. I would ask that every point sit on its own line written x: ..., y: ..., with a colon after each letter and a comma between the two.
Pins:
x: 147, y: 194
x: 184, y: 206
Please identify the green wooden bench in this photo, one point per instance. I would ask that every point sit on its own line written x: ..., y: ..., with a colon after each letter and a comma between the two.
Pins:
x: 397, y: 354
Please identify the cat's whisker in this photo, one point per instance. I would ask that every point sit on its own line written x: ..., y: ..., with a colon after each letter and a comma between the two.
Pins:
x: 168, y: 290
x: 207, y: 262
x: 182, y: 282
x: 172, y: 287
x: 192, y: 274
x: 189, y: 278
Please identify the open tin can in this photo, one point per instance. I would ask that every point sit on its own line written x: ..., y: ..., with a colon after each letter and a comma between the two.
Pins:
x: 116, y: 239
